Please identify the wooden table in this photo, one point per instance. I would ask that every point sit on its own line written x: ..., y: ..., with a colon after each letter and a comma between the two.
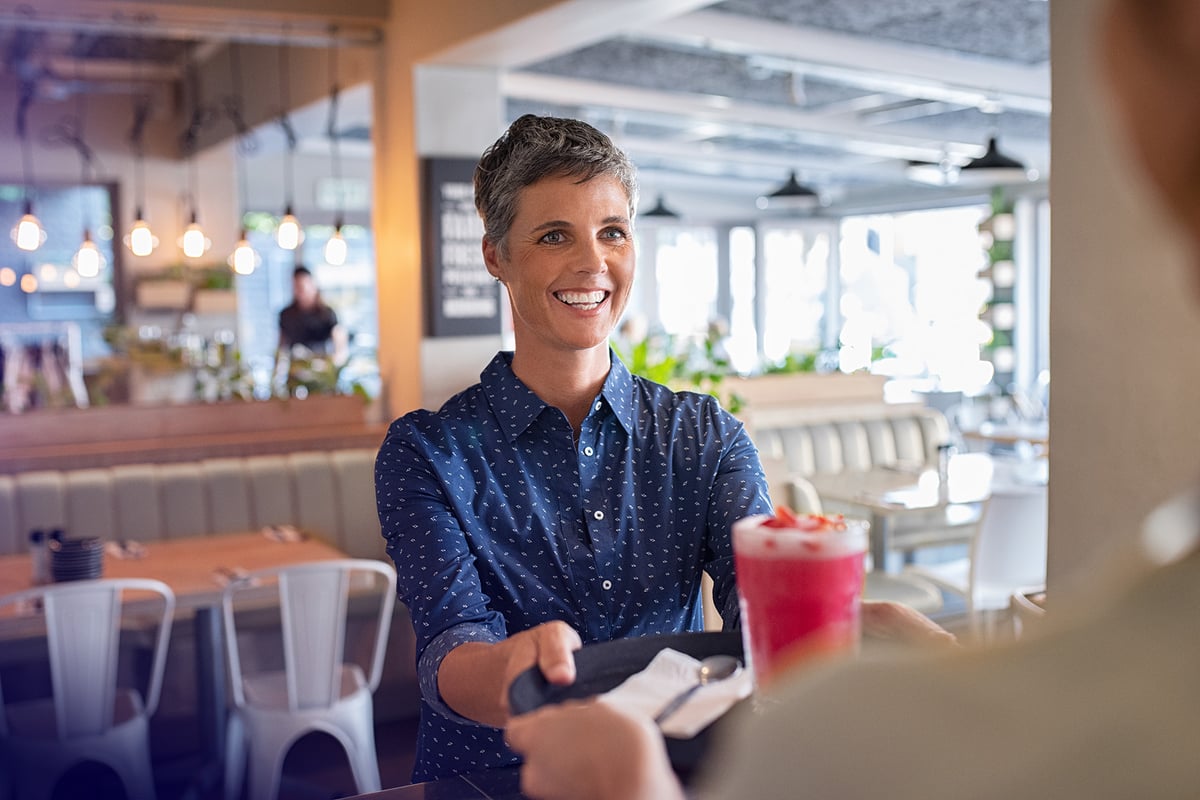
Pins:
x: 197, y: 570
x: 884, y: 495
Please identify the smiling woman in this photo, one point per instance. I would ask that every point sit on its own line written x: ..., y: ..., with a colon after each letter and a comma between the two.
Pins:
x: 561, y: 500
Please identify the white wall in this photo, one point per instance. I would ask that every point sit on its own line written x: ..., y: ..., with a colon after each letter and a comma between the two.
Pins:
x: 460, y: 112
x: 1125, y: 326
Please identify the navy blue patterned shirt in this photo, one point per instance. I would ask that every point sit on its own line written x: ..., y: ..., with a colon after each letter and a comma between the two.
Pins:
x: 498, y: 520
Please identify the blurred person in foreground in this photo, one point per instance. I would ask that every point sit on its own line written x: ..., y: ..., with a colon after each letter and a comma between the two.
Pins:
x: 1101, y: 703
x: 560, y: 500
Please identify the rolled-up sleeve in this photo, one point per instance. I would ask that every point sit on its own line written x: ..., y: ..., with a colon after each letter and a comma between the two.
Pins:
x: 436, y: 574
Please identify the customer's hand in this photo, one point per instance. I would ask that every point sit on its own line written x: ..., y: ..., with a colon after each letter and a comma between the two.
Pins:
x: 591, y: 751
x: 884, y: 619
x: 474, y: 677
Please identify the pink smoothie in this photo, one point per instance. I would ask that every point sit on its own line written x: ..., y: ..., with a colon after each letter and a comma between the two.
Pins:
x: 801, y: 590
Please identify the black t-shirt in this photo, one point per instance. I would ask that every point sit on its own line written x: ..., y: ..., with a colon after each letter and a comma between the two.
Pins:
x: 312, y: 328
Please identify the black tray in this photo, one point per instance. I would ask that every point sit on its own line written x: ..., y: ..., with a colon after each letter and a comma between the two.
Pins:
x: 603, y: 666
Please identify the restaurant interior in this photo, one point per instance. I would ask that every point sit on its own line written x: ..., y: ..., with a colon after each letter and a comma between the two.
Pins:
x: 844, y: 233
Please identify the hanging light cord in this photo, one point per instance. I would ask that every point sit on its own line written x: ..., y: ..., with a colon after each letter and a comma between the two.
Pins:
x: 141, y: 115
x: 331, y: 126
x: 246, y: 141
x: 24, y: 100
x: 199, y: 120
x: 285, y: 122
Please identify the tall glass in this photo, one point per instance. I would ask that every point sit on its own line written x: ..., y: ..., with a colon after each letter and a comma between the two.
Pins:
x: 800, y: 583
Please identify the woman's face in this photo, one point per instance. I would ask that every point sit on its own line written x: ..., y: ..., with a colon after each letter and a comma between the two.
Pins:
x: 569, y: 263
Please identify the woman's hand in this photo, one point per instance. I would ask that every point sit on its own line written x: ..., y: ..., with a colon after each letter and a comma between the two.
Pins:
x: 474, y: 678
x: 591, y: 751
x: 885, y: 619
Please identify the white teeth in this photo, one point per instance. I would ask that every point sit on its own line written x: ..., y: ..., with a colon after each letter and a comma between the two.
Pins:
x: 580, y: 298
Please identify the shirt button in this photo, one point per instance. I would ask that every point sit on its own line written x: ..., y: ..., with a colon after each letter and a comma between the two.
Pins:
x: 606, y: 585
x: 597, y: 405
x: 587, y: 451
x: 598, y: 515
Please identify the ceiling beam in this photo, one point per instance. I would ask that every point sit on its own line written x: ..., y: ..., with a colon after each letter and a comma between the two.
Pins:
x: 562, y: 28
x: 869, y: 63
x: 816, y: 128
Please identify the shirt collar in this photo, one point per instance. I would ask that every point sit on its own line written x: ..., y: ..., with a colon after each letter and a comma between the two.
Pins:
x: 516, y: 406
x: 618, y: 392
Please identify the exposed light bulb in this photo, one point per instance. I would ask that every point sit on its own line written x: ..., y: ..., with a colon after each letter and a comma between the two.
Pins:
x: 244, y: 260
x: 288, y: 235
x: 28, y: 233
x: 29, y: 283
x: 8, y: 276
x: 141, y: 241
x: 193, y: 241
x: 335, y: 248
x: 88, y: 259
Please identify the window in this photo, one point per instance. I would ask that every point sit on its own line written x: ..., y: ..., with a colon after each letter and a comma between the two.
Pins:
x: 910, y: 286
x: 349, y: 289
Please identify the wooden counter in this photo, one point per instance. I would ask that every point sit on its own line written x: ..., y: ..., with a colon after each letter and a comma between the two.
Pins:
x: 127, y: 434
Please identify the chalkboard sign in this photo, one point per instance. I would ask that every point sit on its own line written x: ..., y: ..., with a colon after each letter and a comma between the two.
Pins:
x: 462, y: 299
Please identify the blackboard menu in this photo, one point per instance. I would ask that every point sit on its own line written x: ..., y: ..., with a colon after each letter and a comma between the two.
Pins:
x: 462, y: 299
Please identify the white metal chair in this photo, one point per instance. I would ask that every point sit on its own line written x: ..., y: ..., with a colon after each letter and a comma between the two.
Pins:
x: 321, y: 687
x: 1007, y: 554
x: 89, y: 717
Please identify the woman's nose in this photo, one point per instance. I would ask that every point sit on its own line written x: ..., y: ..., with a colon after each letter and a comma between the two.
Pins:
x: 593, y: 257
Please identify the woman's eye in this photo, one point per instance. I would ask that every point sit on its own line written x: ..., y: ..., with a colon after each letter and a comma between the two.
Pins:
x: 615, y: 233
x: 553, y: 237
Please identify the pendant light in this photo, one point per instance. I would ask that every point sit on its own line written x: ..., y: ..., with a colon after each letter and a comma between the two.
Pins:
x: 660, y: 210
x: 193, y: 242
x: 27, y: 233
x: 792, y: 195
x: 335, y: 248
x: 992, y: 167
x: 244, y: 259
x: 288, y: 234
x: 140, y: 241
x: 88, y: 261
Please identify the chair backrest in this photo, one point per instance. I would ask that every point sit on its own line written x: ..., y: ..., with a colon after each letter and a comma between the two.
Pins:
x: 83, y: 633
x: 1009, y: 549
x: 313, y: 603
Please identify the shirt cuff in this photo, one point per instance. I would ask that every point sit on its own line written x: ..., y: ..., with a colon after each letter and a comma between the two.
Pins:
x: 431, y: 661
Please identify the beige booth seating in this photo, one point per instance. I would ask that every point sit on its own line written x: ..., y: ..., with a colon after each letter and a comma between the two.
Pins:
x: 330, y: 494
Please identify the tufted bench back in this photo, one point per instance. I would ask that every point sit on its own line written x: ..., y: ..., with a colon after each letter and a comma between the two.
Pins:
x: 853, y: 439
x: 797, y: 443
x: 331, y: 493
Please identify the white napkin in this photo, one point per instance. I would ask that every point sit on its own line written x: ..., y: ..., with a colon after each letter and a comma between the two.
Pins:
x: 670, y: 673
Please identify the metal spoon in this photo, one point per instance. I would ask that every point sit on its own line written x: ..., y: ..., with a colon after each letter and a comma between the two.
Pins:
x: 712, y: 669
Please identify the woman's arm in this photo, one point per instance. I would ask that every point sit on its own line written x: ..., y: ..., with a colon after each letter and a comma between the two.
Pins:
x: 474, y: 677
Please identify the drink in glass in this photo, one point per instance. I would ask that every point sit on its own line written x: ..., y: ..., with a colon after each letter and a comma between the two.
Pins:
x: 800, y: 580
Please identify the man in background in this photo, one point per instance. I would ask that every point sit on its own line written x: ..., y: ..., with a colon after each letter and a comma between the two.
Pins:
x: 308, y: 322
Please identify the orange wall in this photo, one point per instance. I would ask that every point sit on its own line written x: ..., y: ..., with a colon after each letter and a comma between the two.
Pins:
x: 416, y: 32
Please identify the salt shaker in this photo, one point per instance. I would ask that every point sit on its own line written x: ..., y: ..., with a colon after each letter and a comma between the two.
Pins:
x: 40, y: 557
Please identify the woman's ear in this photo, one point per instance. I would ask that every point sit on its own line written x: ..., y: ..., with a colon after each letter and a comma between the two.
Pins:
x: 491, y: 259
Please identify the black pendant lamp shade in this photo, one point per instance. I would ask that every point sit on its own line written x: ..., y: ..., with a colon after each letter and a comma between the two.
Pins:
x: 660, y: 210
x: 992, y: 165
x: 792, y: 194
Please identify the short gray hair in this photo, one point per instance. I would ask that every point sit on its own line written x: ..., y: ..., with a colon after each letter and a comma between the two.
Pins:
x: 536, y: 147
